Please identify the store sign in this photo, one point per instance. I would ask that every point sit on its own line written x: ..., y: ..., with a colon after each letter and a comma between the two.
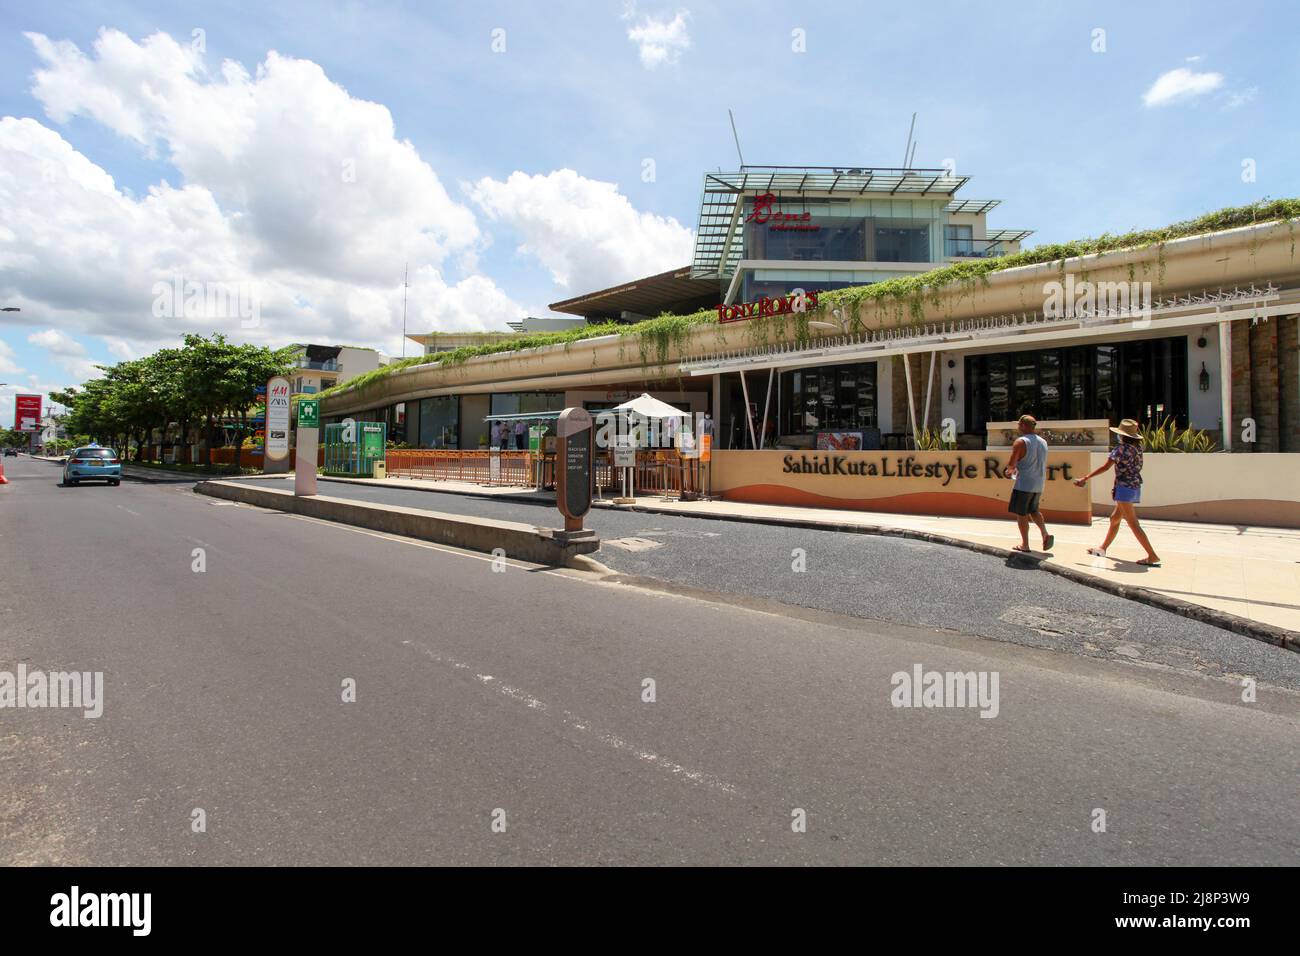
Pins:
x: 277, y: 419
x: 764, y: 214
x: 797, y: 301
x: 27, y: 412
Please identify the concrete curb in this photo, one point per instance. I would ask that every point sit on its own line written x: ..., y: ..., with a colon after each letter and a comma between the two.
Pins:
x: 1255, y: 630
x: 523, y: 542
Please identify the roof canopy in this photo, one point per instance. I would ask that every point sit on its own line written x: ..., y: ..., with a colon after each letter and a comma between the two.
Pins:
x: 524, y: 417
x: 671, y: 291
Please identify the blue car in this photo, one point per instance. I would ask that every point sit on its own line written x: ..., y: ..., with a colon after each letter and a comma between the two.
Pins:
x: 92, y: 463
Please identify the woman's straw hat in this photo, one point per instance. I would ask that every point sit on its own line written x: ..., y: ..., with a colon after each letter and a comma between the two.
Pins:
x: 1129, y: 428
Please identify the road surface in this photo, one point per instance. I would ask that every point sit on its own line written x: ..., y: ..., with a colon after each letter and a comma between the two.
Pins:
x: 518, y: 697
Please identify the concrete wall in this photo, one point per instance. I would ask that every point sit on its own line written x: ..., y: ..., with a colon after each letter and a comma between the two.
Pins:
x: 1259, y: 489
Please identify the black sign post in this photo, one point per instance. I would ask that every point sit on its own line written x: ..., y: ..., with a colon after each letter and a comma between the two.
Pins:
x: 573, y: 469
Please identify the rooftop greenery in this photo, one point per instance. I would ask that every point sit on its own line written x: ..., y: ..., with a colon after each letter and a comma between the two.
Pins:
x: 904, y: 297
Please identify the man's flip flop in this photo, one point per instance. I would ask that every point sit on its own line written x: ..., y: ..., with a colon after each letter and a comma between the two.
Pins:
x: 1149, y: 564
x: 1051, y: 540
x: 1023, y: 550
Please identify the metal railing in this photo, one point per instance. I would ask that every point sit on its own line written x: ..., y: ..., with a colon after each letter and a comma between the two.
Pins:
x: 656, y: 472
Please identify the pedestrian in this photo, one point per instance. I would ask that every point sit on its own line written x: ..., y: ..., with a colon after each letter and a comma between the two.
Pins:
x: 521, y: 443
x: 496, y: 434
x: 1126, y: 459
x: 1028, y: 467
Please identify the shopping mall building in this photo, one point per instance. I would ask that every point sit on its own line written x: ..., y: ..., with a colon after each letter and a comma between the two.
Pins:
x: 1199, y: 330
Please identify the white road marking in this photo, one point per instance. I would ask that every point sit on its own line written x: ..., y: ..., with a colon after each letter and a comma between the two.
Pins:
x: 129, y: 511
x: 571, y: 720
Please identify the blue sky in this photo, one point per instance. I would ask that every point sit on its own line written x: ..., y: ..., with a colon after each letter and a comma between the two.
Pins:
x: 1016, y: 95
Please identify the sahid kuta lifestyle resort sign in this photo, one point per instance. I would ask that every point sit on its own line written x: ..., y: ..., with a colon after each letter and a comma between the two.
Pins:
x: 969, y: 484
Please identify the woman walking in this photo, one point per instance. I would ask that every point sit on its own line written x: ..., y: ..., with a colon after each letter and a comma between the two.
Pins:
x: 1126, y: 459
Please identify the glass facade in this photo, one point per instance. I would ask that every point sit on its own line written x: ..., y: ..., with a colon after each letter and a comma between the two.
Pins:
x: 901, y: 241
x: 830, y: 240
x: 440, y: 422
x: 752, y: 289
x: 828, y: 398
x: 1144, y: 380
x: 516, y: 403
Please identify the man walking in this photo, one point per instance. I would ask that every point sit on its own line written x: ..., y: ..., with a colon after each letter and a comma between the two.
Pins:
x: 1028, y: 466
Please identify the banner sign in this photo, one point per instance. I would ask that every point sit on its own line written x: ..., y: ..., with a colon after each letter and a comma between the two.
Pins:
x: 27, y: 413
x: 839, y: 441
x: 277, y: 419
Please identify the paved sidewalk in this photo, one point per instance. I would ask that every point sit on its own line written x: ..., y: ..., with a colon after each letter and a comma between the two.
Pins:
x: 1250, y: 572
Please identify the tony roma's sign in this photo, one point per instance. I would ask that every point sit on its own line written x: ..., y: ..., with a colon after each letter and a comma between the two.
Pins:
x: 952, y: 483
x: 780, y: 305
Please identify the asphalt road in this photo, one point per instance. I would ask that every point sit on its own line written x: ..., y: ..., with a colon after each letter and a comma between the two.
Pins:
x: 897, y: 580
x: 521, y: 691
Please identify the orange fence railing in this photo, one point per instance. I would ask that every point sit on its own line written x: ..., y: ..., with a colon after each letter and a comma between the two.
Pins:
x: 656, y: 472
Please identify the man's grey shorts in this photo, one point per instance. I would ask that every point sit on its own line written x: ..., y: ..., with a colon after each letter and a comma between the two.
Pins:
x: 1024, y: 502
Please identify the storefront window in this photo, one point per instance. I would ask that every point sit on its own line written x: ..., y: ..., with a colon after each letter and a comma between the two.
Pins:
x: 1142, y: 380
x: 440, y: 422
x: 828, y: 398
x: 516, y: 403
x: 397, y: 423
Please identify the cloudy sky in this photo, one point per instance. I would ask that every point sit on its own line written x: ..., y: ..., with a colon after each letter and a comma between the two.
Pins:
x: 287, y: 159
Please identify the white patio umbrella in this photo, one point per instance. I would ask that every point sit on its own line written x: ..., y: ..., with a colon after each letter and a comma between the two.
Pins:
x: 650, y: 407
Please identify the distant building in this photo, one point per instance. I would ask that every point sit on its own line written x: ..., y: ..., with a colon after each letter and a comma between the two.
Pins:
x: 317, y: 367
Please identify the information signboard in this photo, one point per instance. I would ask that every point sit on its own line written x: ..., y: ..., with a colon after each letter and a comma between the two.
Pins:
x: 573, y: 469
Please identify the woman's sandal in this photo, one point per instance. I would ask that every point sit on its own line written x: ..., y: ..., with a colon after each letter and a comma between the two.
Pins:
x: 1146, y: 563
x: 1097, y: 552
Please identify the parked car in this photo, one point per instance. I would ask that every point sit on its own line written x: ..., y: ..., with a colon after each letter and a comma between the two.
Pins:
x: 92, y: 463
x: 11, y: 451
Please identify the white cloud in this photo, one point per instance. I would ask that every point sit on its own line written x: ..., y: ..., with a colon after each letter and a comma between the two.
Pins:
x: 660, y: 40
x: 1241, y: 98
x: 289, y: 187
x: 8, y: 360
x: 1180, y: 85
x: 584, y: 231
x: 58, y: 343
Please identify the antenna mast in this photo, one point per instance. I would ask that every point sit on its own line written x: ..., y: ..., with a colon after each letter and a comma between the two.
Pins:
x: 406, y: 271
x: 736, y: 137
x: 907, y: 150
